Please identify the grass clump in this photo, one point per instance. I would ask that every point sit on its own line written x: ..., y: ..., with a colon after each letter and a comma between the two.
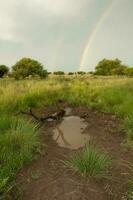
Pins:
x: 130, y: 191
x: 90, y: 162
x: 128, y: 126
x: 19, y: 139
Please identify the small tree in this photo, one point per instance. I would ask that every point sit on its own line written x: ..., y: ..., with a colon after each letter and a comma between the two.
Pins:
x: 3, y: 70
x: 28, y: 67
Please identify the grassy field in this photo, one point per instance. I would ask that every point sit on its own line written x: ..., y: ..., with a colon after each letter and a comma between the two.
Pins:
x: 19, y: 138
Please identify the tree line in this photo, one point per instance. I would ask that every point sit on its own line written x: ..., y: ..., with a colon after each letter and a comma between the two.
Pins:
x: 27, y: 67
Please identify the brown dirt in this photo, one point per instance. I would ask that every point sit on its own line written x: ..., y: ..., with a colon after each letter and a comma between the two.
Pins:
x: 57, y: 182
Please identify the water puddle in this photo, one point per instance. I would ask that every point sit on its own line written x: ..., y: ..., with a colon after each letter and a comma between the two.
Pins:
x: 70, y: 133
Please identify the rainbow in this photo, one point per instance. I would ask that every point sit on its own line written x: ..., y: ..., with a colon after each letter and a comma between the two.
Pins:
x: 94, y: 32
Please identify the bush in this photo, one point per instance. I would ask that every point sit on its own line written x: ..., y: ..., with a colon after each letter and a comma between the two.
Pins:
x: 28, y: 67
x: 3, y: 70
x: 70, y: 73
x: 81, y: 73
x: 59, y: 73
x: 89, y: 161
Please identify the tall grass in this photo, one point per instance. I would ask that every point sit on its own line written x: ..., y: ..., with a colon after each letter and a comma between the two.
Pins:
x: 128, y: 126
x: 89, y: 161
x: 19, y: 139
x: 112, y: 95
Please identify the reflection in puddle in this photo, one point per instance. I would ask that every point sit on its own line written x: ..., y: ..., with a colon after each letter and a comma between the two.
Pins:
x: 70, y: 133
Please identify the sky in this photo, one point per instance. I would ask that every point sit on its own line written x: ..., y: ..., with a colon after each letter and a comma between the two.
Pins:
x: 66, y: 35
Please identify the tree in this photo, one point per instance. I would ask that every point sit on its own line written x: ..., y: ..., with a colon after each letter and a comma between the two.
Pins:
x: 3, y: 70
x: 28, y: 67
x: 110, y: 67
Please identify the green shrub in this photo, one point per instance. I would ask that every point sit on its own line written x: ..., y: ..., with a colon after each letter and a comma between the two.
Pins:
x: 89, y: 161
x: 81, y: 72
x: 59, y: 73
x: 3, y: 70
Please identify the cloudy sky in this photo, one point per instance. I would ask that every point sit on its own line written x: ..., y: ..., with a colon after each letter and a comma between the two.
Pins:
x: 66, y: 34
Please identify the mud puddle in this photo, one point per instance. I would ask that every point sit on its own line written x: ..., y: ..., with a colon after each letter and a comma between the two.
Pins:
x: 71, y: 133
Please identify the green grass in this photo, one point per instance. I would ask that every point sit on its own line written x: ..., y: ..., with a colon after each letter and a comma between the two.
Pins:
x: 90, y: 161
x: 128, y: 126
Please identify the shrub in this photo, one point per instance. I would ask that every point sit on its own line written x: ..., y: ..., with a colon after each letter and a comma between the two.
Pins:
x: 59, y: 73
x: 89, y: 161
x: 81, y: 73
x: 3, y: 70
x: 70, y: 73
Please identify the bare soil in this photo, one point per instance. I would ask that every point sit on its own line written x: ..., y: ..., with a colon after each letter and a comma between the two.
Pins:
x: 47, y: 178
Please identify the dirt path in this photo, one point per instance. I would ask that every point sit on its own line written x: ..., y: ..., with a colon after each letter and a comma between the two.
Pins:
x: 48, y: 179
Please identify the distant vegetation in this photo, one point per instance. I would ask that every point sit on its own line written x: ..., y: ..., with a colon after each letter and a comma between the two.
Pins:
x: 81, y: 72
x: 70, y: 73
x: 30, y: 68
x: 59, y: 73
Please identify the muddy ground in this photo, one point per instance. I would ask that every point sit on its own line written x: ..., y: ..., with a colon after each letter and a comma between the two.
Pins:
x: 47, y: 178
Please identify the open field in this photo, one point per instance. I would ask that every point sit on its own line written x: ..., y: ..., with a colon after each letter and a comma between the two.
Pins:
x: 109, y: 104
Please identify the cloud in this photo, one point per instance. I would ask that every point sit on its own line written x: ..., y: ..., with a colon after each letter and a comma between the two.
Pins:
x: 6, y: 21
x: 22, y: 20
x: 60, y: 8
